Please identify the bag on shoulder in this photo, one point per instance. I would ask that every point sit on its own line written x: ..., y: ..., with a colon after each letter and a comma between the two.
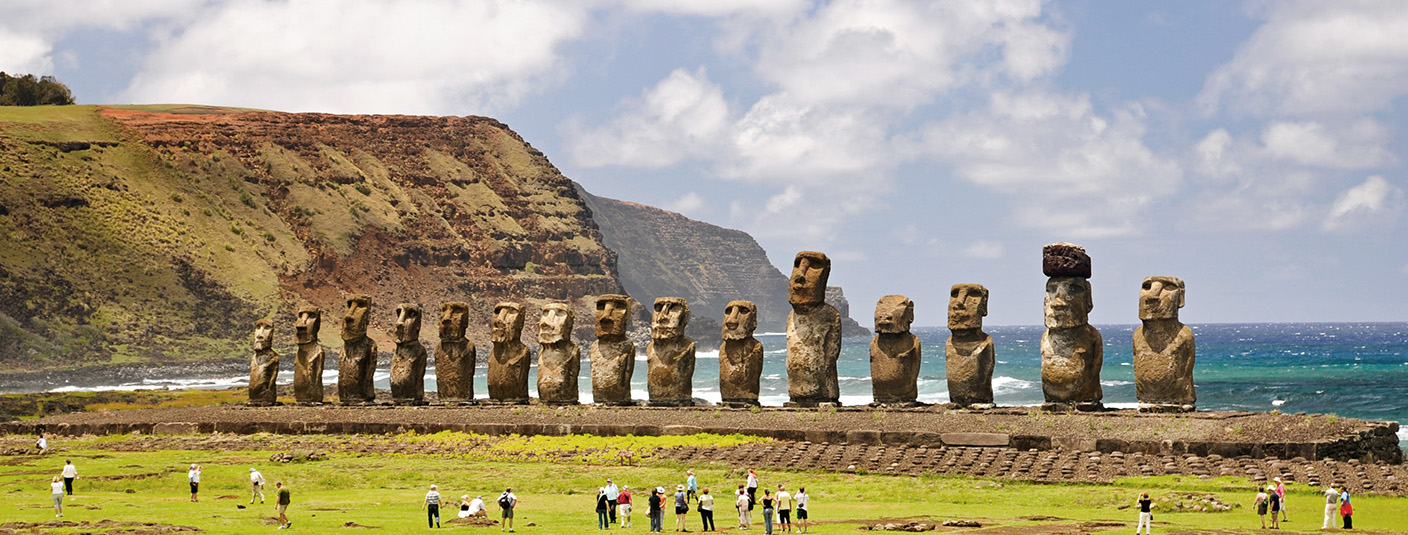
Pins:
x: 504, y: 502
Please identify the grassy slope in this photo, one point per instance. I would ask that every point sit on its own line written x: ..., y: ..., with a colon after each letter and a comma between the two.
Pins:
x: 385, y: 490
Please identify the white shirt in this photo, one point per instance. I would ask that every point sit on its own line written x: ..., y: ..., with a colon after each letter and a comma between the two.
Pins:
x: 70, y: 471
x: 752, y: 480
x: 512, y: 499
x: 612, y: 492
x: 256, y: 478
x: 58, y: 487
x: 194, y: 476
x: 432, y: 498
x: 784, y: 500
x: 801, y: 500
x: 1332, y: 496
x: 43, y: 443
x: 742, y: 502
x: 476, y: 506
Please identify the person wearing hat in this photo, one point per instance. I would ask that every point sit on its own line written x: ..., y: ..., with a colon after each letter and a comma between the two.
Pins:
x: 193, y: 476
x: 681, y: 508
x: 1146, y: 514
x: 256, y: 481
x: 613, y: 496
x: 432, y: 507
x: 1275, y: 500
x: 691, y: 486
x: 1281, y: 493
x: 657, y: 516
x: 623, y: 506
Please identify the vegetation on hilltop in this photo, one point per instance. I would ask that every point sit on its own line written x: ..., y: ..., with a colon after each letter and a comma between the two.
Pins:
x: 26, y: 90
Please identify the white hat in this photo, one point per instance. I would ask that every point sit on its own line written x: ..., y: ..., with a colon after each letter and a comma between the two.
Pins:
x: 251, y: 469
x: 661, y: 490
x: 433, y: 487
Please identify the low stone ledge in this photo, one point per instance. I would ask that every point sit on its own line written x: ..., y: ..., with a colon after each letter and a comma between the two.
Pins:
x: 869, y: 437
x: 980, y: 440
x: 175, y: 428
x: 680, y: 430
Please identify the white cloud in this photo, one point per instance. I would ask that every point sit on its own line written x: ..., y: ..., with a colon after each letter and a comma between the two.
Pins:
x: 782, y: 201
x: 779, y: 139
x: 29, y: 29
x: 985, y: 250
x: 1309, y: 143
x: 683, y: 116
x: 1213, y: 156
x: 719, y: 8
x: 25, y: 54
x: 1368, y: 198
x: 1316, y: 57
x: 686, y: 204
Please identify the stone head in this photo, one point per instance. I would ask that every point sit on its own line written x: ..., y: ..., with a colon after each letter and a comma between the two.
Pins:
x: 263, y: 334
x: 1160, y: 298
x: 613, y: 315
x: 810, y: 270
x: 893, y: 314
x: 306, y: 326
x: 454, y: 320
x: 967, y: 304
x: 407, y: 322
x: 555, y: 325
x: 740, y: 320
x: 354, y: 321
x: 1068, y: 302
x: 669, y: 319
x: 507, y: 325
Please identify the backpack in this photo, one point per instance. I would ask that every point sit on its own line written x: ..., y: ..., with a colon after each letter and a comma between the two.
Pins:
x: 504, y: 502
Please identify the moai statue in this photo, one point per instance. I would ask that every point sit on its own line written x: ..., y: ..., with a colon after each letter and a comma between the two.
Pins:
x: 357, y: 368
x: 670, y: 355
x: 813, y: 334
x: 408, y: 362
x: 1163, y: 349
x: 308, y: 362
x: 509, y: 358
x: 264, y: 366
x: 895, y: 353
x: 559, y: 360
x: 740, y: 356
x: 1071, y: 349
x: 613, y: 357
x: 968, y: 355
x: 454, y: 361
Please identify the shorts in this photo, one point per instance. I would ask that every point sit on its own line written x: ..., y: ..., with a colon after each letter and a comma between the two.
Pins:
x: 58, y: 500
x: 508, y: 513
x: 801, y: 514
x: 784, y: 516
x: 624, y: 509
x: 681, y: 509
x: 282, y: 508
x: 1261, y: 508
x: 195, y: 487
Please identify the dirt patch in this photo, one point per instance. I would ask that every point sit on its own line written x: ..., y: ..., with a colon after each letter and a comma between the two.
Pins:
x: 473, y: 521
x: 107, y: 527
x: 351, y: 524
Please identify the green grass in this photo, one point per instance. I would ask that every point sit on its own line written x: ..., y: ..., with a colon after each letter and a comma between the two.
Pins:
x: 385, y: 490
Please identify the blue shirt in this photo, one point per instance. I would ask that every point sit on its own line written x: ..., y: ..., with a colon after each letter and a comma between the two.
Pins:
x: 693, y: 484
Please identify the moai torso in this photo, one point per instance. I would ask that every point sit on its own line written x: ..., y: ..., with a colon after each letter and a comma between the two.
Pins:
x: 613, y: 357
x: 408, y: 362
x: 1072, y: 351
x: 264, y: 366
x: 509, y: 358
x: 740, y: 355
x: 1164, y: 350
x: 559, y: 360
x: 968, y: 355
x: 895, y: 353
x: 454, y: 360
x: 308, y: 362
x: 670, y: 355
x: 813, y: 333
x: 356, y: 370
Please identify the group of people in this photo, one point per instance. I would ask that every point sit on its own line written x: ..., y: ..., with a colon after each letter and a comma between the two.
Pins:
x: 613, y: 505
x: 468, y: 507
x: 62, y: 485
x: 1272, y: 499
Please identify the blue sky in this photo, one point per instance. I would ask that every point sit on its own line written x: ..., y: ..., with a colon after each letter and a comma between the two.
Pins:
x: 1253, y: 149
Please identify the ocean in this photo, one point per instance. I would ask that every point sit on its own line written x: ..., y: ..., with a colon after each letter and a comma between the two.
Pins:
x: 1355, y: 370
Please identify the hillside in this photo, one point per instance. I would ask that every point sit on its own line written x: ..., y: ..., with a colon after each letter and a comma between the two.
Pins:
x: 159, y: 234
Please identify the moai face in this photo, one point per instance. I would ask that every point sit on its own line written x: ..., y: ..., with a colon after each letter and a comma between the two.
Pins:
x: 894, y: 314
x: 810, y: 270
x: 407, y: 323
x: 613, y: 315
x: 263, y: 334
x: 454, y: 320
x: 1160, y: 298
x: 306, y: 326
x: 508, y: 322
x: 555, y: 325
x: 740, y: 320
x: 1068, y: 302
x: 669, y: 319
x: 967, y: 304
x: 354, y: 321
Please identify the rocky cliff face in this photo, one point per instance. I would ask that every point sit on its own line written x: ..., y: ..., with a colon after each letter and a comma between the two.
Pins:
x: 849, y: 327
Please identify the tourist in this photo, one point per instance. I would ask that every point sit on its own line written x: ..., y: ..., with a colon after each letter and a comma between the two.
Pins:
x: 1262, y: 502
x: 70, y: 473
x: 432, y: 507
x: 691, y: 485
x: 603, y: 521
x: 681, y: 508
x: 743, y: 504
x: 42, y: 445
x: 282, y: 506
x: 784, y: 509
x: 767, y: 512
x: 623, y: 506
x: 256, y: 481
x: 752, y: 488
x: 1145, y: 514
x: 613, y: 497
x: 57, y: 488
x: 801, y: 499
x: 193, y: 476
x: 706, y: 510
x: 1345, y: 509
x: 476, y: 508
x: 1281, y: 495
x: 464, y: 506
x: 657, y: 516
x: 1275, y: 500
x: 507, y: 501
x: 1332, y: 505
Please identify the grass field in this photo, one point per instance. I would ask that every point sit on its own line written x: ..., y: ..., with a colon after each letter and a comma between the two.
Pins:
x: 121, y: 481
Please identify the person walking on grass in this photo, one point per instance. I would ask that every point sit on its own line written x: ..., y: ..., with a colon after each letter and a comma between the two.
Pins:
x: 623, y: 506
x: 1261, y: 504
x: 256, y: 482
x: 691, y: 486
x: 1146, y: 515
x: 802, y: 499
x: 784, y: 509
x: 613, y: 498
x: 193, y: 476
x: 742, y: 502
x: 57, y: 489
x: 70, y: 473
x: 602, y: 520
x: 752, y: 488
x: 767, y: 512
x: 285, y: 498
x: 681, y: 508
x: 432, y: 507
x: 1280, y: 490
x: 507, y: 501
x: 706, y: 510
x: 1332, y: 505
x: 657, y: 515
x: 1275, y: 507
x: 1345, y: 509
